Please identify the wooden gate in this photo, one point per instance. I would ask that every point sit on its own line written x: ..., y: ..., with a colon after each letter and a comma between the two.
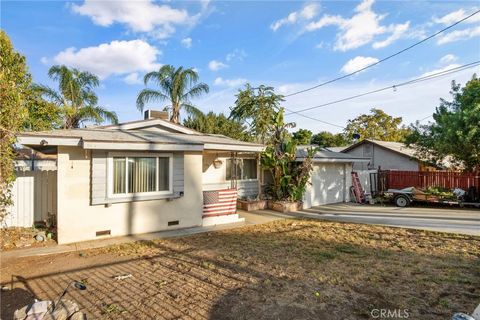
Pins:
x: 34, y: 195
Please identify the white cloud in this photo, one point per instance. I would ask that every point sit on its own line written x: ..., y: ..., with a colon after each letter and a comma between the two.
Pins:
x: 114, y: 58
x: 186, y: 42
x: 215, y: 65
x: 308, y: 12
x: 448, y: 58
x: 358, y: 63
x: 237, y: 54
x: 361, y: 28
x: 229, y: 82
x: 459, y: 35
x: 138, y: 15
x: 44, y: 60
x: 431, y: 72
x: 132, y: 78
x: 397, y: 30
x: 455, y: 16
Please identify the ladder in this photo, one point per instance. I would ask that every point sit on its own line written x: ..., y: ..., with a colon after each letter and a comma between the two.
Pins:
x: 358, y: 191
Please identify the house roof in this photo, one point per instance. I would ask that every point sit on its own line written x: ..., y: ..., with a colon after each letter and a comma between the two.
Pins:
x: 402, y: 149
x: 325, y: 155
x: 137, y: 135
x: 336, y: 149
x: 397, y: 147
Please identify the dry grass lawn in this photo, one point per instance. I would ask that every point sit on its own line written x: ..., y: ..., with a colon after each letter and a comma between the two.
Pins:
x: 291, y: 269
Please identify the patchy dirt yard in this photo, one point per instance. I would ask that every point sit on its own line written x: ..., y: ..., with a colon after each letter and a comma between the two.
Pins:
x: 14, y: 238
x: 291, y: 269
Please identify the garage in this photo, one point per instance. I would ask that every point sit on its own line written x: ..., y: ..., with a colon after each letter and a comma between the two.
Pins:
x: 330, y: 179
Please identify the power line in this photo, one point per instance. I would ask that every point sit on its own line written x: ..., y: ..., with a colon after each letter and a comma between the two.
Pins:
x: 394, y: 87
x: 322, y: 121
x: 384, y: 59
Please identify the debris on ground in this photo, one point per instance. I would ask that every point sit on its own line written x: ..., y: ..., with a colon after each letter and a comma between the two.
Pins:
x: 123, y: 276
x: 16, y: 237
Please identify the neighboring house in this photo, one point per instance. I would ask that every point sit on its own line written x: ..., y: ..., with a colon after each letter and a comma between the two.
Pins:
x: 386, y: 155
x: 143, y: 176
x: 331, y: 178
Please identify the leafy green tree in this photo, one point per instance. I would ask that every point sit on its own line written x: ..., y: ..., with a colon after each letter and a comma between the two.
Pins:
x: 218, y: 124
x: 15, y: 82
x: 75, y: 97
x: 377, y: 125
x: 328, y: 139
x: 177, y: 86
x: 289, y: 177
x: 455, y: 131
x: 41, y: 114
x: 257, y: 107
x: 302, y: 136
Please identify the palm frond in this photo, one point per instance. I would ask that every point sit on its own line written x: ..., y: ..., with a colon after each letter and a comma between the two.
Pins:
x: 149, y: 95
x: 196, y: 91
x: 49, y: 93
x: 193, y: 111
x: 95, y: 114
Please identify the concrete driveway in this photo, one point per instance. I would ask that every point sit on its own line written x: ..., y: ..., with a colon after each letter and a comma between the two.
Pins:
x: 463, y: 221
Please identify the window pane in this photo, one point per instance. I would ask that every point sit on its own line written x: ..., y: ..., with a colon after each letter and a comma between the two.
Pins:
x: 141, y: 175
x: 249, y: 169
x: 235, y: 171
x: 163, y: 174
x: 118, y: 175
x: 229, y: 169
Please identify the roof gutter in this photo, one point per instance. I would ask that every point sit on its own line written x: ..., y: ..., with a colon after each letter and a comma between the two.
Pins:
x: 142, y: 146
x: 52, y: 141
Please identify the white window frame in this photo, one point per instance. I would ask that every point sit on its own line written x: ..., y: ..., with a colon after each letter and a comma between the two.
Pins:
x: 127, y: 155
x: 256, y: 162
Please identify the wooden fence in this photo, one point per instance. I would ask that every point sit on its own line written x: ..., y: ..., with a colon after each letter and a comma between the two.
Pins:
x: 424, y: 179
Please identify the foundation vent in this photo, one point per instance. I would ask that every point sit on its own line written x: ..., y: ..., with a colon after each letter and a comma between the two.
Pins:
x: 103, y: 233
x: 173, y: 223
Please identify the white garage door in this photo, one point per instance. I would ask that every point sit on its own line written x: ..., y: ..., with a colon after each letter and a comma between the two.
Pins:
x: 329, y: 184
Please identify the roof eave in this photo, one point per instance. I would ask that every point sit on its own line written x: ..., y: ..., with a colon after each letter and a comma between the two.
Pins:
x: 337, y: 160
x: 233, y: 147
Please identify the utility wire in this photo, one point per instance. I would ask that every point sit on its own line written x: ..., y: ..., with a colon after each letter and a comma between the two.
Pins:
x: 394, y: 87
x: 384, y: 59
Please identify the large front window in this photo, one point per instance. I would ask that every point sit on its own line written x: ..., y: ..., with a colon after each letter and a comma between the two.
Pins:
x: 241, y: 169
x: 141, y: 174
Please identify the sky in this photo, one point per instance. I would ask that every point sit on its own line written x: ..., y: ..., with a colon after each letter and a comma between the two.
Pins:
x: 290, y: 45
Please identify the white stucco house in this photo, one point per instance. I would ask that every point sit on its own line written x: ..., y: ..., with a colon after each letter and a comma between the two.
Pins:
x: 385, y: 154
x: 143, y: 176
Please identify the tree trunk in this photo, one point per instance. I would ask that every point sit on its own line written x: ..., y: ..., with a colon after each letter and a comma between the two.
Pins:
x: 175, y: 114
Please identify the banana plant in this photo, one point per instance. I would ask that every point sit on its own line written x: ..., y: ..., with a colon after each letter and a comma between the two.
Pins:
x: 289, y: 177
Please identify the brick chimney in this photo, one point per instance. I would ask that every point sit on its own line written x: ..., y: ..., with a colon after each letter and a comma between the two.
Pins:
x: 155, y: 114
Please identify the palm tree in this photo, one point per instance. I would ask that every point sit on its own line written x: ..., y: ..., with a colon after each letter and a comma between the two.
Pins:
x: 75, y: 97
x: 177, y: 86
